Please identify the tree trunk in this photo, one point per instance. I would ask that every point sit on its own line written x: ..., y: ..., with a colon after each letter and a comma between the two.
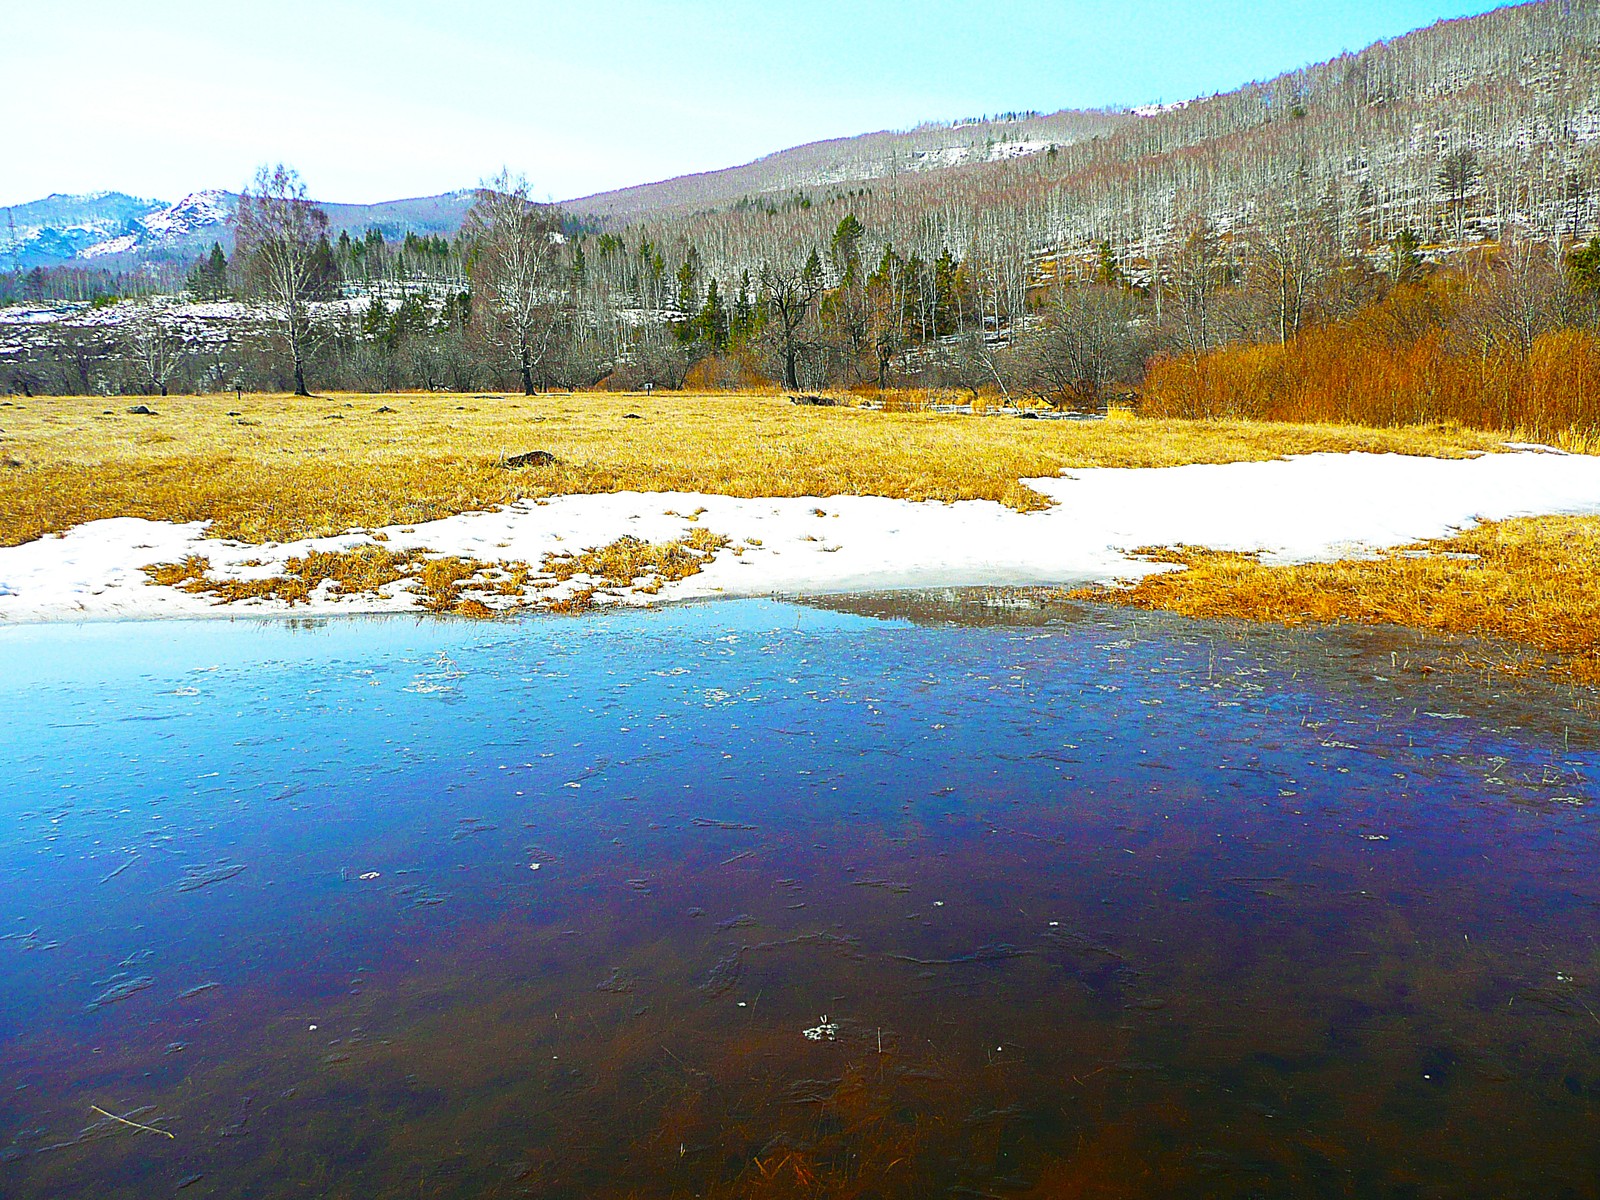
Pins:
x: 300, y: 378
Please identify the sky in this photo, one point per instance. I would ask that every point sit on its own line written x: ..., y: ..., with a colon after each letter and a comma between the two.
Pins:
x: 380, y: 99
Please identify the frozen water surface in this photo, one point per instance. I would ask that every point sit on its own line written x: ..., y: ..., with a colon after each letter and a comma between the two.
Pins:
x: 752, y: 899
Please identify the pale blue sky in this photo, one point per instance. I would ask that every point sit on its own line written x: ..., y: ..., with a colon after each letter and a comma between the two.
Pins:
x: 378, y: 99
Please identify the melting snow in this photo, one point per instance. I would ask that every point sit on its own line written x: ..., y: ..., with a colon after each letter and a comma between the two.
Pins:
x: 1316, y: 507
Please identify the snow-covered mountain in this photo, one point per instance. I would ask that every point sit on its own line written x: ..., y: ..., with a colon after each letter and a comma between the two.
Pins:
x: 117, y: 231
x: 107, y: 225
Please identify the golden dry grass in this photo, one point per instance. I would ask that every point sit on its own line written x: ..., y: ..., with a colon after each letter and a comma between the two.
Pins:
x: 1533, y: 582
x: 275, y: 468
x: 448, y: 583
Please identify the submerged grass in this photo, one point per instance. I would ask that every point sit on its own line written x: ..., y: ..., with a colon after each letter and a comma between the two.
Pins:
x: 279, y: 468
x: 1532, y: 582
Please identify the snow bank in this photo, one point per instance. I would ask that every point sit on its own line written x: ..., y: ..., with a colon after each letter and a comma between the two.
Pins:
x: 1316, y: 507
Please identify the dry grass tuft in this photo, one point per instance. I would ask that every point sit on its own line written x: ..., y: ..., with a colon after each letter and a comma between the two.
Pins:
x: 451, y: 584
x: 283, y: 471
x: 179, y: 574
x: 365, y: 570
x: 1530, y: 581
x: 628, y: 559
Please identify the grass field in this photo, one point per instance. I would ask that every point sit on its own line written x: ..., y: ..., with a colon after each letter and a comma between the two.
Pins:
x: 276, y: 468
x: 1533, y: 582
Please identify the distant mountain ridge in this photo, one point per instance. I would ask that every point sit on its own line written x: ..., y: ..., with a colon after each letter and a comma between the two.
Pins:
x: 858, y: 159
x: 117, y: 231
x: 1360, y: 141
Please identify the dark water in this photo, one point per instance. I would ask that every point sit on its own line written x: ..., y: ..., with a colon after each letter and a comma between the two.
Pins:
x: 825, y: 905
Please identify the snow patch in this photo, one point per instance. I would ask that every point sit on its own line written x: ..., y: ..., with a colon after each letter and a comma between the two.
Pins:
x: 1312, y: 508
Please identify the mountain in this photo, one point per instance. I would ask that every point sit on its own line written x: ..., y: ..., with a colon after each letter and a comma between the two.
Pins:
x: 116, y: 231
x: 119, y: 232
x: 60, y: 228
x: 1361, y: 141
x: 1361, y: 144
x: 838, y: 162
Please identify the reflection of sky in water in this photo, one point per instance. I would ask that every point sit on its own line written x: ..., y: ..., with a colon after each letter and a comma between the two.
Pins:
x: 755, y: 899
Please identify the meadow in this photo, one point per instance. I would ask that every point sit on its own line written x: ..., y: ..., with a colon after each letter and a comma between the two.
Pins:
x: 273, y: 468
x: 278, y: 468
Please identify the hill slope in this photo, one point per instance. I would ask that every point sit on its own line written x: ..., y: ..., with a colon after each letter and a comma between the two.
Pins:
x: 846, y: 160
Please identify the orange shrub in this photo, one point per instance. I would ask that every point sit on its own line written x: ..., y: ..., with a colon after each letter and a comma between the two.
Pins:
x: 1350, y: 373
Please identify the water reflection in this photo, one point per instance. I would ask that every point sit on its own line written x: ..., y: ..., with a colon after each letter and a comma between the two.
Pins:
x: 755, y: 899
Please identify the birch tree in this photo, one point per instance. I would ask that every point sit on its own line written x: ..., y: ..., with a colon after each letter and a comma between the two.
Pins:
x: 280, y: 237
x: 513, y: 268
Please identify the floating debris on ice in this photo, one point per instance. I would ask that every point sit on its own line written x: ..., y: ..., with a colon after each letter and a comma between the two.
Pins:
x: 827, y: 1031
x: 119, y: 990
x: 196, y: 878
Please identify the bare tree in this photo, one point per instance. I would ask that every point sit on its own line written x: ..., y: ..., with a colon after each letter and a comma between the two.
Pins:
x: 788, y: 294
x: 1458, y: 177
x: 155, y: 348
x: 1199, y: 272
x: 281, y: 239
x: 512, y: 264
x: 1516, y: 295
x: 1293, y: 256
x: 1088, y: 342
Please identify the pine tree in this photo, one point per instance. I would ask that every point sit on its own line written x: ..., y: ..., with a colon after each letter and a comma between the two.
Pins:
x: 845, y: 249
x: 1106, y: 270
x: 811, y: 274
x: 712, y: 322
x: 1583, y: 268
x: 742, y: 325
x: 324, y: 280
x: 946, y: 295
x: 1405, y: 263
x: 208, y: 278
x: 689, y: 283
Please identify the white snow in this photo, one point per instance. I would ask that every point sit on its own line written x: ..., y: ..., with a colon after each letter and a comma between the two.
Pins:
x: 1316, y: 507
x: 1155, y: 110
x: 118, y: 245
x: 195, y: 211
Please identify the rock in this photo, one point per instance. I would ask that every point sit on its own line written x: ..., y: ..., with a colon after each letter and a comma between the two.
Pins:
x: 384, y: 409
x: 816, y: 401
x: 1028, y: 416
x: 533, y: 458
x: 142, y: 410
x: 632, y: 417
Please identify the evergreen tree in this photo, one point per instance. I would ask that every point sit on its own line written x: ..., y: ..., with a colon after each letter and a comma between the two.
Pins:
x: 324, y: 280
x: 689, y: 283
x: 1405, y: 262
x: 742, y: 324
x: 946, y: 295
x: 1106, y: 270
x: 1583, y: 268
x: 845, y: 249
x: 208, y: 278
x: 713, y: 319
x: 375, y: 321
x: 811, y: 274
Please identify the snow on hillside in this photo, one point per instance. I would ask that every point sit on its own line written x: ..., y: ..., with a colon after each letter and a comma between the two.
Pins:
x: 196, y: 211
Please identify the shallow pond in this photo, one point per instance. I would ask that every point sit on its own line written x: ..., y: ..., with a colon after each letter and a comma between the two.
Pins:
x: 755, y: 899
